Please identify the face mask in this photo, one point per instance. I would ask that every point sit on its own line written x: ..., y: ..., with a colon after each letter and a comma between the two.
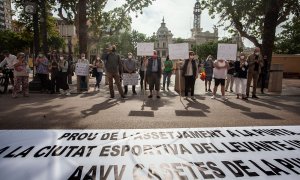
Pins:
x: 40, y: 55
x: 209, y: 58
x: 98, y: 58
x: 154, y: 56
x: 82, y: 57
x: 61, y: 58
x: 257, y: 53
x: 113, y: 50
x: 129, y: 57
x: 242, y: 57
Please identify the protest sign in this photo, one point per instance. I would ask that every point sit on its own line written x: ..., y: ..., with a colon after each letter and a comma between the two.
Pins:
x: 266, y: 152
x: 82, y: 69
x: 227, y: 51
x: 130, y: 79
x: 179, y: 51
x: 145, y: 49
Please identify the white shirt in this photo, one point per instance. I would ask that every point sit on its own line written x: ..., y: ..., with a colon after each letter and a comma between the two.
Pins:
x: 9, y: 61
x: 222, y: 72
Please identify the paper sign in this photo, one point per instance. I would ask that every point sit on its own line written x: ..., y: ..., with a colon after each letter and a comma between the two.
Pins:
x: 227, y: 51
x: 82, y: 69
x: 179, y: 51
x: 145, y: 49
x: 130, y: 79
x: 265, y: 152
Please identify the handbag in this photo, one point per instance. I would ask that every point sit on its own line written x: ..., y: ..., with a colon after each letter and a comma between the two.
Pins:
x: 94, y: 72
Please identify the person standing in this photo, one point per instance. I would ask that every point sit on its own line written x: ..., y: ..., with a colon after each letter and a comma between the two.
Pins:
x: 54, y: 76
x: 220, y: 71
x: 113, y: 69
x: 255, y: 62
x: 230, y: 78
x: 21, y: 72
x: 241, y: 71
x: 99, y: 65
x: 143, y: 82
x: 8, y: 60
x: 168, y: 70
x: 154, y: 72
x: 129, y: 66
x: 189, y: 71
x: 264, y: 73
x: 42, y: 71
x: 208, y: 66
x: 83, y: 81
x: 63, y: 74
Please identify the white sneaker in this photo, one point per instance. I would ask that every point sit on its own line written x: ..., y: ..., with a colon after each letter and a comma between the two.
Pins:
x: 68, y: 94
x: 62, y: 92
x: 224, y: 98
x: 213, y: 97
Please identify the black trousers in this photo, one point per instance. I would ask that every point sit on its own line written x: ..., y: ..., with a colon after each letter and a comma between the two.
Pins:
x: 63, y: 81
x: 55, y: 82
x: 189, y: 85
x: 44, y: 81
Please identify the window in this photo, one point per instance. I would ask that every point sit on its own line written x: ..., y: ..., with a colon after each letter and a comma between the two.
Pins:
x: 158, y: 45
x: 163, y: 53
x: 164, y: 44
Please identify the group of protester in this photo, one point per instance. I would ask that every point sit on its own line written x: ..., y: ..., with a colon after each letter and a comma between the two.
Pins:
x: 240, y: 72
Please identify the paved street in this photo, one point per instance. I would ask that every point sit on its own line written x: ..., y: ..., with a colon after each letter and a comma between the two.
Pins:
x: 93, y: 110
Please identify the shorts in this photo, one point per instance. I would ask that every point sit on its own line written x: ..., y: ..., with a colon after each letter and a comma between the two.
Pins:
x: 219, y: 81
x: 208, y: 78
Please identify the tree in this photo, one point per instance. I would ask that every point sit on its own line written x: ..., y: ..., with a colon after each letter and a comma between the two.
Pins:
x: 15, y: 42
x: 288, y: 41
x: 80, y: 11
x: 254, y: 19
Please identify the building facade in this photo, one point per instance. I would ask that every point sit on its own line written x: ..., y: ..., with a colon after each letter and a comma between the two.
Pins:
x: 5, y: 14
x: 164, y: 37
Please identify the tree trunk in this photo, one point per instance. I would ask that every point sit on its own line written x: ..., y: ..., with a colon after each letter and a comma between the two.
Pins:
x: 82, y: 28
x: 44, y: 27
x: 269, y: 31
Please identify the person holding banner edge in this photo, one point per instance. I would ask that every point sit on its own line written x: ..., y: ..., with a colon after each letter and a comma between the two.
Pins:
x: 190, y: 73
x: 129, y: 66
x: 153, y: 74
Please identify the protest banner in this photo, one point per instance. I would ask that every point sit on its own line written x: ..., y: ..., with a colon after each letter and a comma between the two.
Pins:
x: 265, y: 152
x: 227, y: 51
x: 145, y: 49
x: 82, y: 69
x: 130, y: 79
x: 178, y: 51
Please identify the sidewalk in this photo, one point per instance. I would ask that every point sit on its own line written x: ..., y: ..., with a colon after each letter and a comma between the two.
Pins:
x: 93, y: 110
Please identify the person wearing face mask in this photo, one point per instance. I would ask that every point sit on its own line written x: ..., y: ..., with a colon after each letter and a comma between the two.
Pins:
x: 168, y: 64
x: 240, y: 74
x: 220, y: 72
x: 129, y: 66
x: 190, y: 73
x: 114, y: 70
x: 98, y: 64
x: 21, y: 75
x: 42, y: 71
x: 63, y: 74
x: 153, y: 74
x: 208, y: 66
x: 82, y: 81
x: 255, y: 62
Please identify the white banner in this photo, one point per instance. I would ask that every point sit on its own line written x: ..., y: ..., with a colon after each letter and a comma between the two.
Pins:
x: 130, y: 79
x: 179, y: 51
x: 197, y: 153
x: 227, y: 51
x: 82, y: 69
x: 145, y: 49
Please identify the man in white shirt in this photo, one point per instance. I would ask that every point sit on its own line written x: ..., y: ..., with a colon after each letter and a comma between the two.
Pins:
x: 8, y: 60
x: 220, y: 73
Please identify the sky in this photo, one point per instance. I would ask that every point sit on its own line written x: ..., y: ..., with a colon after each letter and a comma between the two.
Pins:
x: 178, y: 16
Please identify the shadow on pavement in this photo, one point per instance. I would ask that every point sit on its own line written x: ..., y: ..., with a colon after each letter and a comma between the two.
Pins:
x: 141, y: 113
x: 98, y: 107
x: 261, y: 115
x: 191, y: 113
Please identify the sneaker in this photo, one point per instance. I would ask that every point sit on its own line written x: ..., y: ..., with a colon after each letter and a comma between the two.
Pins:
x: 193, y: 98
x: 238, y: 96
x: 254, y: 97
x: 158, y: 97
x: 111, y: 97
x: 150, y: 96
x: 225, y: 90
x: 62, y: 92
x: 213, y: 97
x: 209, y: 90
x: 224, y: 98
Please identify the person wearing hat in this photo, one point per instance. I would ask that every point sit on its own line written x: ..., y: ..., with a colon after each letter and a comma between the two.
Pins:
x: 21, y: 73
x: 189, y: 72
x: 129, y: 66
x: 255, y: 62
x: 113, y: 67
x: 240, y: 75
x: 154, y: 72
x: 220, y: 72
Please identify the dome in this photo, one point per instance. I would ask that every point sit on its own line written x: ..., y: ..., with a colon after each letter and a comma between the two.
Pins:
x: 163, y: 30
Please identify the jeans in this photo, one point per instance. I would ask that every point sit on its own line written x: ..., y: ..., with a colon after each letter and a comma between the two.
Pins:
x: 167, y: 77
x: 98, y: 79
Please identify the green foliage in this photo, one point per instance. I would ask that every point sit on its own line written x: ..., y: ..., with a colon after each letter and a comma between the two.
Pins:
x: 178, y: 40
x: 288, y: 41
x: 15, y: 42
